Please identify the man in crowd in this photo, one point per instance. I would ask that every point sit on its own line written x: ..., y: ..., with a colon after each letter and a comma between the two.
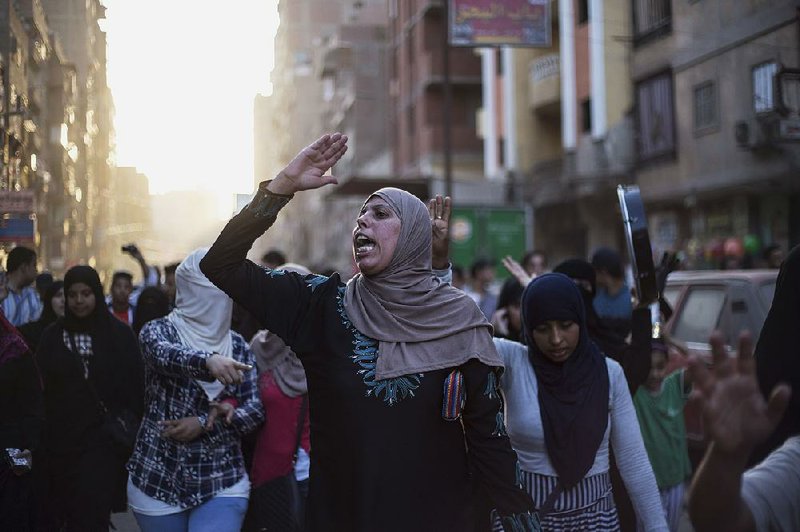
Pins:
x: 481, y: 290
x: 612, y: 302
x: 20, y: 301
x: 120, y: 301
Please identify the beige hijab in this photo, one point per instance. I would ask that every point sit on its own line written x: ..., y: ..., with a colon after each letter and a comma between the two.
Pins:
x: 275, y: 356
x: 421, y: 324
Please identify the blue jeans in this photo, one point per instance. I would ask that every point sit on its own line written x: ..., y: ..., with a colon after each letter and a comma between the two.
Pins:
x: 220, y: 514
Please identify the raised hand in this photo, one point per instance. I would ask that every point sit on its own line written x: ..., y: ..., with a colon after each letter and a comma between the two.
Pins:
x: 440, y: 210
x: 516, y: 269
x: 669, y: 263
x: 308, y: 168
x: 736, y: 416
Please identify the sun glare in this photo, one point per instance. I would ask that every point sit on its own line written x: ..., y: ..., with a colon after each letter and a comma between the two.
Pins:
x: 183, y: 74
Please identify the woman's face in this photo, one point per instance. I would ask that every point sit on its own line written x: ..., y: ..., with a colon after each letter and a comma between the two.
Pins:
x: 375, y: 236
x: 557, y: 340
x: 58, y: 303
x: 81, y: 300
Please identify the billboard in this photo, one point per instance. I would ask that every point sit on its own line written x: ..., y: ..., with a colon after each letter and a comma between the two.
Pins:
x: 487, y: 232
x: 500, y: 23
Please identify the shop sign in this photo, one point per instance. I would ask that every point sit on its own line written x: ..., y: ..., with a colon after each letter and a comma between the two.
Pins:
x: 500, y: 23
x: 17, y: 202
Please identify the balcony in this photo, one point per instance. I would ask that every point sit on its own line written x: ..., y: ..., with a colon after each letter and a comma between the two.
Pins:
x: 465, y: 67
x: 464, y: 140
x: 651, y: 19
x: 544, y: 83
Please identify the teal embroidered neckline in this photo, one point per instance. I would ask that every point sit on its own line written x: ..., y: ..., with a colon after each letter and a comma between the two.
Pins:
x: 365, y: 356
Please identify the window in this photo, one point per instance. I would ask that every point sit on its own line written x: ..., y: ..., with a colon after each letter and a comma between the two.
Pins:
x: 700, y: 315
x: 671, y: 294
x: 705, y: 106
x: 655, y: 121
x: 583, y: 11
x: 763, y: 82
x: 651, y: 16
x: 586, y: 115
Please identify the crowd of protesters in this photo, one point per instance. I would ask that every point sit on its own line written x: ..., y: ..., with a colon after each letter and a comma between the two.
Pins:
x: 234, y: 396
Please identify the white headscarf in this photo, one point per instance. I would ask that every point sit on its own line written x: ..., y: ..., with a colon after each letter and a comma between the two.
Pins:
x: 202, y: 314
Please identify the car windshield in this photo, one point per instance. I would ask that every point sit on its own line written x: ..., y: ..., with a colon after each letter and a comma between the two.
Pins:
x: 766, y: 292
x: 700, y: 314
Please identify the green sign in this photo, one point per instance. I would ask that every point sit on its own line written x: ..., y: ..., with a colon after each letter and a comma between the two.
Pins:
x: 493, y: 233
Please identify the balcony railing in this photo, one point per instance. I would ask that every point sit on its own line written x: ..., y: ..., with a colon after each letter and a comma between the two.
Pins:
x: 651, y: 18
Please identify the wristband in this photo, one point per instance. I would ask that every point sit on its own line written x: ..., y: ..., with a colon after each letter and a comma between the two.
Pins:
x: 267, y: 204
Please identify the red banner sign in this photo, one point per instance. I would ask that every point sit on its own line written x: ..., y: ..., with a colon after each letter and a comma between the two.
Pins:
x: 500, y: 23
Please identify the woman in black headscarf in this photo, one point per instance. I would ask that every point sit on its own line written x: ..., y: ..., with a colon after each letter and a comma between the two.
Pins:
x: 153, y: 303
x: 634, y: 357
x: 21, y: 421
x: 777, y: 353
x: 52, y: 310
x: 86, y: 358
x: 566, y: 405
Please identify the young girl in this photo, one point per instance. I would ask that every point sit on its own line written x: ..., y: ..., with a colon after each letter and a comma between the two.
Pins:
x: 659, y: 407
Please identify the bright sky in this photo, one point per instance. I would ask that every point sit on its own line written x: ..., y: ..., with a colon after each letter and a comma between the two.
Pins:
x: 184, y: 74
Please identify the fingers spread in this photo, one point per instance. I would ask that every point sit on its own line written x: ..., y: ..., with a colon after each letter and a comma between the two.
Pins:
x: 320, y: 142
x: 722, y: 364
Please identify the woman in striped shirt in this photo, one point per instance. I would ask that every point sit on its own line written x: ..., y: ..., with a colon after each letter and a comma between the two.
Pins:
x: 565, y: 403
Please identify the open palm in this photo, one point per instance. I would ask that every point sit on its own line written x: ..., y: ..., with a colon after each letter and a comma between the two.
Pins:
x: 307, y: 170
x: 736, y: 416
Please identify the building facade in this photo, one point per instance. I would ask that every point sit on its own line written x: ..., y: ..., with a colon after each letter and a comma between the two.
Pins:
x: 717, y: 159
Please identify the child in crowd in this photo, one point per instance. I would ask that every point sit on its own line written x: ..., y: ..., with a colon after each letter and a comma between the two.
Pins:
x: 659, y: 407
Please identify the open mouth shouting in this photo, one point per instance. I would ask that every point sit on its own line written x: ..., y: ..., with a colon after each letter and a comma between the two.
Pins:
x: 362, y: 244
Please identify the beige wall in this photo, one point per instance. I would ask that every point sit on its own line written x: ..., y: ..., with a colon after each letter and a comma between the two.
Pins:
x: 619, y: 93
x: 538, y: 132
x: 711, y: 158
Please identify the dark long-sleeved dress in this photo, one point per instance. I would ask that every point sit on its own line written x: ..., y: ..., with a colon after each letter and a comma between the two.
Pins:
x: 384, y: 456
x: 85, y: 476
x: 21, y: 420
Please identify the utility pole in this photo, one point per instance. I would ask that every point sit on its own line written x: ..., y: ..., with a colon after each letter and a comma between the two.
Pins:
x: 448, y: 105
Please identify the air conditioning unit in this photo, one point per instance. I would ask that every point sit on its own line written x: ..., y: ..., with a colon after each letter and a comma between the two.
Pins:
x: 752, y: 134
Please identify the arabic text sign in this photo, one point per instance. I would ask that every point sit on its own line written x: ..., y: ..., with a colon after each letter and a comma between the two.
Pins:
x: 500, y: 22
x: 17, y: 202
